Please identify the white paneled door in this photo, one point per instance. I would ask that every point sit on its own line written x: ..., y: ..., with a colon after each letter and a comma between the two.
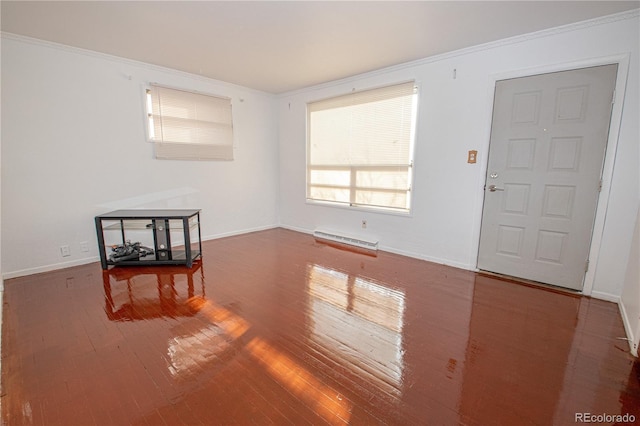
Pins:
x: 548, y: 139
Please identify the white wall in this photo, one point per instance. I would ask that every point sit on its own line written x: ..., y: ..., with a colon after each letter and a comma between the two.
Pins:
x: 74, y: 146
x: 454, y: 117
x: 630, y: 299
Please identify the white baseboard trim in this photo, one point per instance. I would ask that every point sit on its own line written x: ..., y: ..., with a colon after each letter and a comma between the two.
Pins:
x: 48, y: 268
x: 233, y: 233
x: 84, y: 261
x: 393, y: 250
x: 431, y: 259
x: 605, y: 296
x: 628, y: 328
x: 296, y: 229
x: 633, y: 345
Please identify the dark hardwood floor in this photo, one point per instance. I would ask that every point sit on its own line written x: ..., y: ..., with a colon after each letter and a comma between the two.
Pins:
x: 274, y: 327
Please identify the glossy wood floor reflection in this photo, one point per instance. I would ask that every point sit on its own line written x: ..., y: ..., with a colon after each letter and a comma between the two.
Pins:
x: 276, y: 328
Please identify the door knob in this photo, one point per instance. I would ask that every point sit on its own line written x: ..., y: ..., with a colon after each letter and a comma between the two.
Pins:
x: 493, y: 188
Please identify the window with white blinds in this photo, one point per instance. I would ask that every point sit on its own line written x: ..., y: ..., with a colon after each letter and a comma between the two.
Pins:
x: 189, y: 126
x: 360, y: 148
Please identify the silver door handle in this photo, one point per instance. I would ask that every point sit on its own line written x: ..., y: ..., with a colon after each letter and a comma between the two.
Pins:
x: 493, y: 188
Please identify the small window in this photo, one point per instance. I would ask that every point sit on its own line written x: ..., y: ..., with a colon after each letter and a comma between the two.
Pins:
x: 360, y: 148
x: 189, y: 126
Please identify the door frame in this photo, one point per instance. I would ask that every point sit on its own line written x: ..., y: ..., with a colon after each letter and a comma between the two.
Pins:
x: 622, y: 60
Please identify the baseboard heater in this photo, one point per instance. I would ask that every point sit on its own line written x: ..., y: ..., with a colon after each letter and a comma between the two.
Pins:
x: 345, y: 239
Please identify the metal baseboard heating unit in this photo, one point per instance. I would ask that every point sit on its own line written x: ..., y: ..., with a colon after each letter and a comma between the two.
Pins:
x: 345, y: 239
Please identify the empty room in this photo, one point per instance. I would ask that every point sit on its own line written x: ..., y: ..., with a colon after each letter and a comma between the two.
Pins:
x: 333, y: 212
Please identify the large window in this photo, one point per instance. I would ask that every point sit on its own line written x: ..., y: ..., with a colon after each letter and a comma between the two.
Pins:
x: 360, y: 148
x: 189, y: 126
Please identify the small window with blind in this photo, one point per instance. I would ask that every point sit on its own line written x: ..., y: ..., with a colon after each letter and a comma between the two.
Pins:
x: 189, y: 126
x: 360, y: 148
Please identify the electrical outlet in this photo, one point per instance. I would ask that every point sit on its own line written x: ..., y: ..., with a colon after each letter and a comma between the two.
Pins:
x: 364, y: 224
x: 84, y: 246
x: 65, y: 251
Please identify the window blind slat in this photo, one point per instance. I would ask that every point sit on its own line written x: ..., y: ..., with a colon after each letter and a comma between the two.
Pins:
x: 189, y: 125
x: 358, y: 137
x: 365, y: 96
x: 177, y: 151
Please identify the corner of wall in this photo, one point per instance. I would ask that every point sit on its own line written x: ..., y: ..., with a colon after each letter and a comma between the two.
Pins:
x: 630, y: 299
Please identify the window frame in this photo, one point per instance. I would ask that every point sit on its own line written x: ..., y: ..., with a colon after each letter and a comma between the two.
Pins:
x: 187, y: 151
x: 406, y: 212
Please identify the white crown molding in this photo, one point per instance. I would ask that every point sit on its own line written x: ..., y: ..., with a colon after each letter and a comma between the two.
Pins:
x: 631, y: 14
x: 125, y: 61
x: 603, y: 20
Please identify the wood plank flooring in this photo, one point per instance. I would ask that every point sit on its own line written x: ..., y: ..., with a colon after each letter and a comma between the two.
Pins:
x: 274, y: 327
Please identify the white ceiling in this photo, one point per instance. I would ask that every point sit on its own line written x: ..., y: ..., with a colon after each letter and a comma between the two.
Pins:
x: 279, y: 46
